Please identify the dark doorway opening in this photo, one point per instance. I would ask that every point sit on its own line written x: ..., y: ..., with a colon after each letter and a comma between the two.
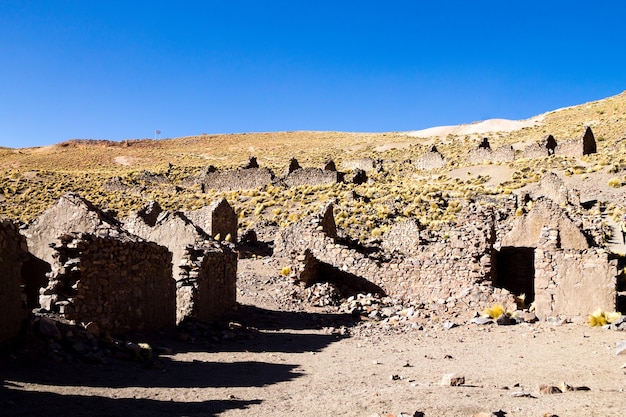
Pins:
x: 516, y: 271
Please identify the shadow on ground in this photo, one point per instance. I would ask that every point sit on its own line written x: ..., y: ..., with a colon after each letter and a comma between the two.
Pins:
x: 259, y: 330
x: 16, y: 403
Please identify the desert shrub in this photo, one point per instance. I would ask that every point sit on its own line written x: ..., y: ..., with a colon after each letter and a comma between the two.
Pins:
x: 615, y: 182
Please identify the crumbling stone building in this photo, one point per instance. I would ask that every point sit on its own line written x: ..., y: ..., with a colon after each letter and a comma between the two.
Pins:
x: 431, y: 160
x: 471, y: 263
x: 571, y: 282
x: 483, y: 153
x: 206, y: 288
x: 584, y: 145
x: 218, y: 218
x: 296, y: 175
x: 452, y: 266
x: 247, y: 177
x: 204, y: 270
x: 120, y: 283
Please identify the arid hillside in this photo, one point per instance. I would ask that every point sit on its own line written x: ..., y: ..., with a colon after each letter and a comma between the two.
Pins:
x: 121, y: 176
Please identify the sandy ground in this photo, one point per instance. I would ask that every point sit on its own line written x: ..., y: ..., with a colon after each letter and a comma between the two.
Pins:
x: 486, y: 126
x: 308, y: 361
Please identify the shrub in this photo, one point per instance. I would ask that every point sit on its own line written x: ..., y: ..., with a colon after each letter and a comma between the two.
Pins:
x: 615, y: 182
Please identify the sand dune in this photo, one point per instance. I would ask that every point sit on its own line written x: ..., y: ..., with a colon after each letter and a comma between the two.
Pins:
x: 486, y: 126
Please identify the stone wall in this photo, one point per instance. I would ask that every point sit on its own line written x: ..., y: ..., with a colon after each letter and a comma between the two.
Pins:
x: 238, y: 179
x: 481, y: 155
x: 207, y: 286
x: 546, y: 147
x: 572, y: 283
x: 204, y: 270
x: 311, y: 176
x: 365, y: 164
x: 545, y: 212
x: 452, y: 263
x: 431, y: 160
x: 71, y: 213
x: 121, y: 284
x: 12, y: 303
x: 170, y: 229
x: 218, y: 218
x: 403, y: 238
x: 584, y: 145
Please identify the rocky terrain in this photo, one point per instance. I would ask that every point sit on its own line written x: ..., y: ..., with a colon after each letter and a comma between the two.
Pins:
x: 326, y: 321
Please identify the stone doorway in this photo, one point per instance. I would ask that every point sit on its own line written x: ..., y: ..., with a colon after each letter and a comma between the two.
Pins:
x: 516, y: 271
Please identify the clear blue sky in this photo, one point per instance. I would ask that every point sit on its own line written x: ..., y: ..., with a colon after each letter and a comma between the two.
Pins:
x: 122, y: 69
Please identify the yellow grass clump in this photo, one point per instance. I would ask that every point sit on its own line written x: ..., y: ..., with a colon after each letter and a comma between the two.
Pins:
x: 494, y: 311
x: 602, y: 318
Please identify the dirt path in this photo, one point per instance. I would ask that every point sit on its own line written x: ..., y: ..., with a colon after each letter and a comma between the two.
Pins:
x: 286, y: 359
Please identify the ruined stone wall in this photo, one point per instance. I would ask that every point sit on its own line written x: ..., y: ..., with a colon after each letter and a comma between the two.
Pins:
x: 503, y: 154
x: 545, y: 212
x: 170, y: 229
x: 207, y: 287
x: 454, y: 262
x: 572, y: 147
x: 71, y: 213
x: 13, y: 253
x: 218, y: 218
x: 572, y: 283
x: 311, y: 176
x: 239, y: 179
x: 583, y: 145
x: 204, y: 270
x: 482, y: 155
x: 535, y: 150
x: 430, y: 160
x: 122, y: 284
x: 365, y: 164
x: 403, y: 238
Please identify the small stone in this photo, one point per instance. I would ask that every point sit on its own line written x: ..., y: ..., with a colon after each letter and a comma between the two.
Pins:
x: 481, y: 320
x: 556, y: 321
x: 621, y: 348
x: 395, y: 377
x: 549, y: 389
x: 449, y: 325
x: 452, y: 380
x: 163, y: 350
x: 504, y: 320
x: 92, y: 328
x: 48, y: 327
x: 520, y: 394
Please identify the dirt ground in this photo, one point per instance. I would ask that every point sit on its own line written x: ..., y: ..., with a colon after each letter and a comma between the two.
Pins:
x: 287, y: 358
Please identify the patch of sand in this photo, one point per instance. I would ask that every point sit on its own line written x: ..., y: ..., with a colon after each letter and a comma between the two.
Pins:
x: 392, y: 145
x: 486, y: 126
x: 497, y: 173
x: 124, y: 160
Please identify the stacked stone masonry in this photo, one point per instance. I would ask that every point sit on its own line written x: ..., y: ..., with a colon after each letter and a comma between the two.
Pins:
x: 207, y: 285
x: 572, y: 282
x: 454, y: 262
x: 218, y: 218
x: 202, y: 267
x: 459, y: 262
x: 239, y: 179
x: 122, y: 284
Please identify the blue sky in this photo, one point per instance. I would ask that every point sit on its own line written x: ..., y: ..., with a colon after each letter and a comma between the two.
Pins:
x: 122, y: 69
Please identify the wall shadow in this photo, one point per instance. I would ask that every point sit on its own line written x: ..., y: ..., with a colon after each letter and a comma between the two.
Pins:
x: 168, y: 374
x: 17, y: 403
